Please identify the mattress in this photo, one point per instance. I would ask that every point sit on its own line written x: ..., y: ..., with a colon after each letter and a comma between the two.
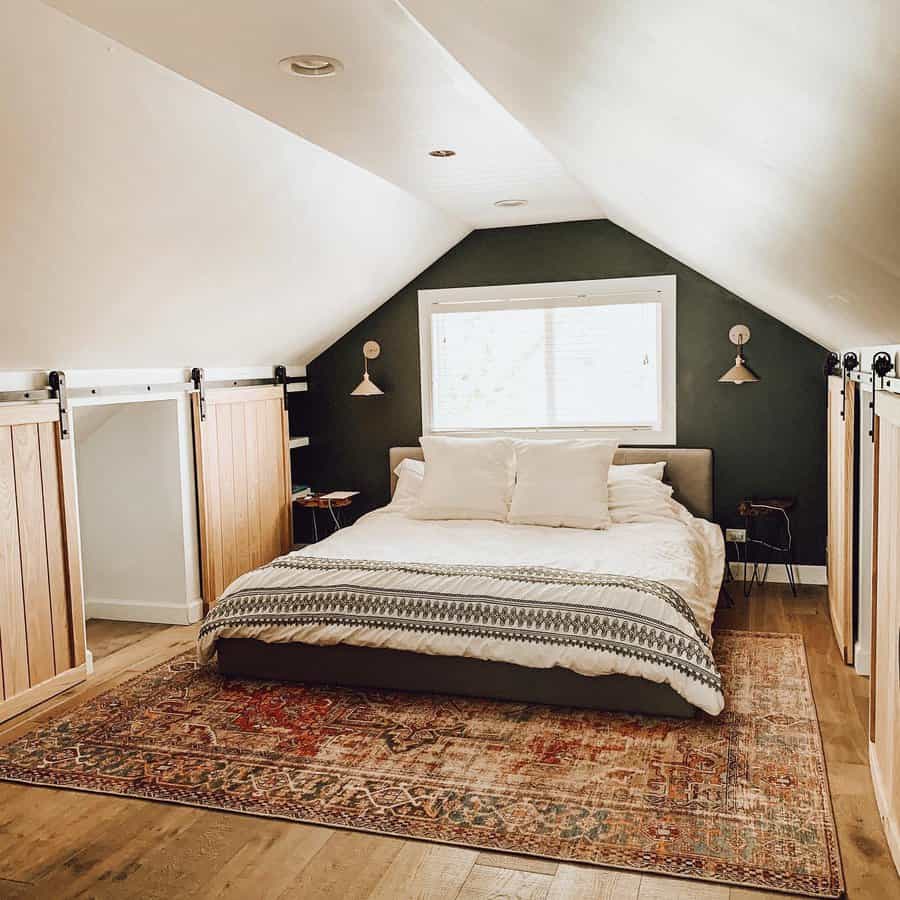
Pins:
x: 635, y: 599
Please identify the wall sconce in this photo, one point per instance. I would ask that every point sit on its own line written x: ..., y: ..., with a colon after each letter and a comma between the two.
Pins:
x: 739, y: 373
x: 367, y: 387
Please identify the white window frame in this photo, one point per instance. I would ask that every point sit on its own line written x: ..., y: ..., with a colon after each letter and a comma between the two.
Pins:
x: 618, y: 290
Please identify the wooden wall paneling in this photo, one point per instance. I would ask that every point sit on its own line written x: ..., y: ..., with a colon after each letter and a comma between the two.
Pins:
x: 244, y: 490
x: 42, y: 648
x: 66, y: 455
x: 241, y: 488
x: 873, y: 650
x: 226, y: 490
x: 33, y: 552
x: 841, y: 436
x: 287, y: 537
x: 13, y: 642
x: 63, y: 650
x: 252, y: 413
x: 885, y: 688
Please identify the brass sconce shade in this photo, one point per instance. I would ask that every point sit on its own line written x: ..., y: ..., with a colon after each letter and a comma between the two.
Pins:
x: 740, y: 372
x: 367, y: 387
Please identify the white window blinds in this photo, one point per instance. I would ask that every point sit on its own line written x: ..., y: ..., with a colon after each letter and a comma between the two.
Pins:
x: 547, y: 363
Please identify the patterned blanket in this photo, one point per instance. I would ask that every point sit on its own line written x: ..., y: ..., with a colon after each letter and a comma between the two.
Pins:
x: 593, y: 624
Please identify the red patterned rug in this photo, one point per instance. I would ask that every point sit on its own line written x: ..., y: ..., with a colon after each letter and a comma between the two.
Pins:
x: 741, y: 799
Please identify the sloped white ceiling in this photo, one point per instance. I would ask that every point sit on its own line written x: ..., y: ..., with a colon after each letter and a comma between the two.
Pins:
x: 145, y: 221
x: 757, y: 142
x: 399, y: 95
x: 153, y: 223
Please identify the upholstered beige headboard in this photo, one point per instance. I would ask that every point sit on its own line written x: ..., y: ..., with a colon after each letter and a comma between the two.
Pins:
x: 689, y: 471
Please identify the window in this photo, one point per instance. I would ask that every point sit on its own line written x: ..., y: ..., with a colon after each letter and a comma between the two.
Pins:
x: 592, y: 357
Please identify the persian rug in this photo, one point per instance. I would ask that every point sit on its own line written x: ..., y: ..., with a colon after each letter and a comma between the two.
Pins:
x: 741, y: 798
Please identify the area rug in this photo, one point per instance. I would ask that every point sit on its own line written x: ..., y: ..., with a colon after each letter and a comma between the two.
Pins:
x: 741, y: 799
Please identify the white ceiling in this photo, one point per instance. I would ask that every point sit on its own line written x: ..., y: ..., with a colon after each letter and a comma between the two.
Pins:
x: 757, y: 142
x: 399, y: 95
x: 754, y: 142
x: 145, y: 221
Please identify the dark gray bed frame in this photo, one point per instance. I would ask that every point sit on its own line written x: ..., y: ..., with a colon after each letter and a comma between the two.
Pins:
x: 691, y: 474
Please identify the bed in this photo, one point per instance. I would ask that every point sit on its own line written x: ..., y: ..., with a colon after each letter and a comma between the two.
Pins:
x: 617, y: 619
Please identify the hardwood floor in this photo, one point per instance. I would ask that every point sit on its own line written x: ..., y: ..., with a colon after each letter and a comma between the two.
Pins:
x: 58, y: 844
x: 106, y: 636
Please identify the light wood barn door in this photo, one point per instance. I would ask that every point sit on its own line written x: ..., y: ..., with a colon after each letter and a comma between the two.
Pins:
x: 841, y: 436
x: 42, y: 649
x: 885, y: 681
x: 243, y: 483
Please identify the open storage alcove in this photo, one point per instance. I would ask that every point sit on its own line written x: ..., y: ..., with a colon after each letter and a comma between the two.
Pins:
x: 135, y: 498
x: 134, y: 495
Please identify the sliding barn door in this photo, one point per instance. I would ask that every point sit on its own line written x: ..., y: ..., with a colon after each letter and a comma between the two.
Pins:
x: 243, y: 483
x: 841, y: 436
x: 42, y: 648
x: 884, y: 690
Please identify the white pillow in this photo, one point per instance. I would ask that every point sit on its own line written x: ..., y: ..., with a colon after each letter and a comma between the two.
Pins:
x: 646, y: 470
x: 410, y: 476
x: 562, y: 483
x: 466, y: 478
x: 635, y: 499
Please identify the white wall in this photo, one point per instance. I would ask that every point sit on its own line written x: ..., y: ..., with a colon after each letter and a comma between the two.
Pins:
x: 138, y: 527
x: 145, y: 221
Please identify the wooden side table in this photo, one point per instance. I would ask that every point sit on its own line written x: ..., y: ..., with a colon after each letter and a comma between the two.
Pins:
x: 320, y: 500
x: 775, y: 510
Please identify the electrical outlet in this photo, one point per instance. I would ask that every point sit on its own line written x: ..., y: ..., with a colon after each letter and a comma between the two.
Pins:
x: 736, y: 535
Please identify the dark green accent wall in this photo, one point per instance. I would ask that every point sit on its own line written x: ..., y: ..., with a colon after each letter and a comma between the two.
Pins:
x: 768, y: 438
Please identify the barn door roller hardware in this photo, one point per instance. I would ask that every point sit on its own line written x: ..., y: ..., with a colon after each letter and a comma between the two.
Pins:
x: 198, y: 378
x: 57, y: 381
x: 832, y: 362
x: 850, y: 362
x: 281, y: 377
x: 57, y: 389
x: 881, y: 365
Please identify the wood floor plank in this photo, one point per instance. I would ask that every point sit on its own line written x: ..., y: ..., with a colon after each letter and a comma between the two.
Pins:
x: 349, y: 865
x: 423, y: 871
x: 657, y: 887
x: 105, y: 636
x: 593, y: 883
x: 273, y: 855
x: 491, y: 883
x: 522, y: 863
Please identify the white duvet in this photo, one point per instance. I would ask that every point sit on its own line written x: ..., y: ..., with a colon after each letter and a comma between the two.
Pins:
x: 684, y: 552
x: 668, y: 549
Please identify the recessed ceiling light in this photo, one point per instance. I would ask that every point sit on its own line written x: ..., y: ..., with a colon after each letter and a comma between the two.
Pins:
x: 311, y: 65
x: 505, y: 204
x: 442, y: 154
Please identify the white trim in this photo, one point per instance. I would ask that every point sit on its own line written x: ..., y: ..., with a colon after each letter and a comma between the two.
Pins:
x: 862, y: 661
x: 88, y: 662
x: 890, y: 826
x: 32, y: 379
x: 778, y: 574
x: 626, y: 290
x: 160, y: 613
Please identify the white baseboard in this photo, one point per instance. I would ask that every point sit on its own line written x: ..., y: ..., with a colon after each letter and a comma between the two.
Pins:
x: 891, y: 826
x: 862, y: 662
x: 778, y: 574
x: 160, y: 613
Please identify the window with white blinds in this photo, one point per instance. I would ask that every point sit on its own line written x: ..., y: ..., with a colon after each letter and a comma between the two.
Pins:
x: 553, y: 358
